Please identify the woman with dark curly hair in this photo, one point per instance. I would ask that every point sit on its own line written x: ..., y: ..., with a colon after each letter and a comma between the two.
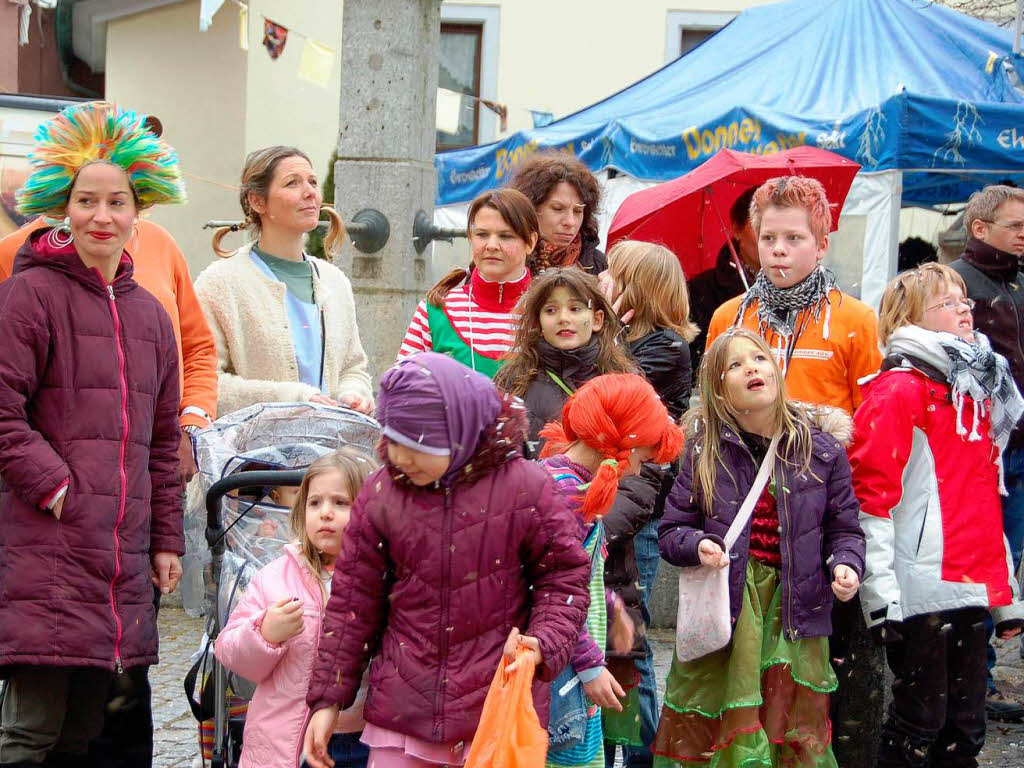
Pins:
x: 566, y: 196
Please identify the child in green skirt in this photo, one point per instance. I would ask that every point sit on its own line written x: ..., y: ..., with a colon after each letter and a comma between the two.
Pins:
x: 763, y: 699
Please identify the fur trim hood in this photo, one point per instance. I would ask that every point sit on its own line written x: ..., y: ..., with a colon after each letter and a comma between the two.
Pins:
x: 829, y: 419
x: 833, y: 421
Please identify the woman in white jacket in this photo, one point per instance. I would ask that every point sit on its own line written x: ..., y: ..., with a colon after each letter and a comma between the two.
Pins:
x: 284, y: 323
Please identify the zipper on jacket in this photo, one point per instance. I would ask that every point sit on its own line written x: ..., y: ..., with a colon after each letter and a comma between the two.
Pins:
x: 322, y: 599
x: 787, y: 565
x: 122, y: 474
x: 446, y: 563
x: 781, y: 503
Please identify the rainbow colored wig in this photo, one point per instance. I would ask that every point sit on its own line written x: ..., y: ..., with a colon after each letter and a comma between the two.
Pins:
x: 95, y: 131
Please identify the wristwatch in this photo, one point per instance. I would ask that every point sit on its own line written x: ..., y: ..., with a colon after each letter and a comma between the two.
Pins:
x: 195, y: 411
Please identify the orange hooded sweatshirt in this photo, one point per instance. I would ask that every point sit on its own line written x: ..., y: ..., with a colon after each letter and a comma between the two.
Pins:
x: 161, y: 269
x: 821, y: 371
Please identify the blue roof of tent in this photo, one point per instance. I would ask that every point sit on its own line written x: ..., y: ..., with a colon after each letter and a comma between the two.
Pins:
x: 890, y: 84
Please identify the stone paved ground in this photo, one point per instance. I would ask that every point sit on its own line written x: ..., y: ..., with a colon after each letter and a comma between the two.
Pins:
x: 175, y: 736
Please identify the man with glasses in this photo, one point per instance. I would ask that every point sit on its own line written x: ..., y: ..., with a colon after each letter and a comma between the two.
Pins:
x: 990, y: 267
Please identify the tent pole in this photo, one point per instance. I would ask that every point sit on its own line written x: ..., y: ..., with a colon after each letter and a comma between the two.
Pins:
x: 1016, y: 28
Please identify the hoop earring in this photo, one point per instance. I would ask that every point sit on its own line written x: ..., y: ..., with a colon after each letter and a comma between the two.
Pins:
x: 58, y: 240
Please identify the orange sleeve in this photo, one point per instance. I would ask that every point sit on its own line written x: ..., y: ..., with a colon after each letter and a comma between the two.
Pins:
x: 865, y: 354
x: 10, y: 244
x: 720, y: 321
x: 198, y: 352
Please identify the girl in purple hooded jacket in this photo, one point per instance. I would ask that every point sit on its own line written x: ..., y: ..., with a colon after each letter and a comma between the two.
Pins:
x: 763, y: 698
x: 455, y: 544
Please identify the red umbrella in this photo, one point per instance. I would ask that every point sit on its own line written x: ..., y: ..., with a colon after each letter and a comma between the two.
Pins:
x: 690, y: 215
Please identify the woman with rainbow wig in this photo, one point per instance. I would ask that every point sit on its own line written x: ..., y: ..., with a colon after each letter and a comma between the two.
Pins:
x: 90, y: 509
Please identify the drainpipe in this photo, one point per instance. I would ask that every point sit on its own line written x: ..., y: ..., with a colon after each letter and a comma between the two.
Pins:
x: 63, y: 27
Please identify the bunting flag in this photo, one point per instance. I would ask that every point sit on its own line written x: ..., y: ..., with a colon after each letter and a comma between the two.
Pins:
x: 317, y: 63
x: 243, y: 27
x: 541, y: 118
x: 274, y: 38
x: 501, y: 110
x: 449, y: 110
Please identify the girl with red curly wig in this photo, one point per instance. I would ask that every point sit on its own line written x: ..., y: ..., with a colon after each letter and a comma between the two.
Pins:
x: 610, y: 426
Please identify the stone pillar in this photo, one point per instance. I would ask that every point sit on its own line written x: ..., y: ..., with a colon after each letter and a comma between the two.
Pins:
x: 389, y: 61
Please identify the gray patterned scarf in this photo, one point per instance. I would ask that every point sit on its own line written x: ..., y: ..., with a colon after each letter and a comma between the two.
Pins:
x: 778, y: 308
x: 972, y: 370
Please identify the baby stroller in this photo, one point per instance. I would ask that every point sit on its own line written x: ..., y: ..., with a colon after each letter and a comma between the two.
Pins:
x: 233, y: 528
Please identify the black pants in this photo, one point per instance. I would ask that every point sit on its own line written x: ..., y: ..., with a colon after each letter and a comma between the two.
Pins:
x: 49, y: 715
x: 937, y: 715
x: 127, y: 737
x: 858, y: 704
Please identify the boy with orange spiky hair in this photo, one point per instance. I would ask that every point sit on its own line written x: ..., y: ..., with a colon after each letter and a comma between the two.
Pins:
x: 823, y: 339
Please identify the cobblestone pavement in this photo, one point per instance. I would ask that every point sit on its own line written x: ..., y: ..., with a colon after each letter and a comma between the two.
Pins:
x: 175, y: 734
x: 175, y: 740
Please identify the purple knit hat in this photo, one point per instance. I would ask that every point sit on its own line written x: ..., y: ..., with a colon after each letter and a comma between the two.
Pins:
x: 432, y: 403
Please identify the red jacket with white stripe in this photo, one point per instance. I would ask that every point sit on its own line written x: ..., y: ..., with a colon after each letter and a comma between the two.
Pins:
x: 930, y: 505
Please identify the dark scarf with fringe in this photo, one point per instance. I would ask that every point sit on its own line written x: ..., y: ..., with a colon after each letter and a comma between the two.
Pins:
x: 779, y: 308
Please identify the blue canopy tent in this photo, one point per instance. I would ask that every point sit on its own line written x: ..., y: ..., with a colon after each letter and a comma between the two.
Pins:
x: 904, y: 86
x: 891, y: 84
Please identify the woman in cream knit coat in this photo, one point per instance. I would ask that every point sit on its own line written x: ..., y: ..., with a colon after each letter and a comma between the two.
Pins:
x: 284, y: 323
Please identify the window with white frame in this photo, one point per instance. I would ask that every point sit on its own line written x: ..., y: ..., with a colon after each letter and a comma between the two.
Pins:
x: 469, y: 66
x: 685, y: 30
x: 459, y: 66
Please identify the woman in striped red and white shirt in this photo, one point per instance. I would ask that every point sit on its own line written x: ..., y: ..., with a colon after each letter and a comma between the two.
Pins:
x: 472, y: 320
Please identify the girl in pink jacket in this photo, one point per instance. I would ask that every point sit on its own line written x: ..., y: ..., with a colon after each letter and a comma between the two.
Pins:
x: 273, y: 633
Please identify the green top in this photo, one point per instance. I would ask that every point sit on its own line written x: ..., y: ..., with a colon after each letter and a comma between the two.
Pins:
x: 446, y: 340
x: 296, y: 275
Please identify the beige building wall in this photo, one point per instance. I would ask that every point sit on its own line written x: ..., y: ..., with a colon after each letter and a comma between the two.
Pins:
x: 218, y: 102
x: 283, y: 108
x: 159, y: 63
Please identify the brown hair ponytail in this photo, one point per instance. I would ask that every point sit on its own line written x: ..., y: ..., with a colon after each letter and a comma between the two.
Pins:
x: 335, y: 232
x: 220, y: 234
x: 257, y: 173
x: 444, y: 286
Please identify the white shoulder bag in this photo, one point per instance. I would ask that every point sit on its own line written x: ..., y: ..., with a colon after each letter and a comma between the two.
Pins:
x: 703, y: 621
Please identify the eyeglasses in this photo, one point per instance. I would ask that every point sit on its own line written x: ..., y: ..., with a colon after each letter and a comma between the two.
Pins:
x: 952, y: 306
x: 1016, y: 226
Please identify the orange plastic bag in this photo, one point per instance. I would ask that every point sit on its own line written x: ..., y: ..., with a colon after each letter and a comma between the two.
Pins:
x: 509, y: 734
